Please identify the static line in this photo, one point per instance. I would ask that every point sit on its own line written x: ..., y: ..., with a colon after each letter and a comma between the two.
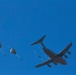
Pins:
x: 38, y: 55
x: 18, y: 56
x: 3, y: 53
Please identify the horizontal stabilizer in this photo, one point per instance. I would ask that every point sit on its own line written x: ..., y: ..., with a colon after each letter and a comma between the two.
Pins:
x: 39, y: 41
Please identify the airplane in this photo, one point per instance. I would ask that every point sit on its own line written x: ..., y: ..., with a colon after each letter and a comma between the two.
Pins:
x: 55, y: 58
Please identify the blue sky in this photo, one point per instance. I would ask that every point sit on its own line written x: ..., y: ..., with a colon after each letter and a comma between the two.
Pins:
x: 24, y: 21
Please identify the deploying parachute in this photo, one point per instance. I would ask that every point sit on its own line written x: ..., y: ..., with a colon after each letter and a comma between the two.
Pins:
x: 2, y: 50
x: 13, y: 51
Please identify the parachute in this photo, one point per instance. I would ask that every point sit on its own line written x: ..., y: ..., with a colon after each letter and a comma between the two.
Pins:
x: 2, y: 50
x: 13, y: 51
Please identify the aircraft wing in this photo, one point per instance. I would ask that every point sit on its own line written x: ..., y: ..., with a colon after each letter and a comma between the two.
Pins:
x: 65, y: 50
x: 44, y: 63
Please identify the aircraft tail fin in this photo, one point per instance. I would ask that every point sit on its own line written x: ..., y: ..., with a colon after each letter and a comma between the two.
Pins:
x: 39, y: 41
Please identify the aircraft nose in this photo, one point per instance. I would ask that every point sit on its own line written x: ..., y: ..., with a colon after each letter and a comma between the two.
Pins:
x: 64, y: 62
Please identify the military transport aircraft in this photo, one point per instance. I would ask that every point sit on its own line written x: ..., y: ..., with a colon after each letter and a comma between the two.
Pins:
x: 55, y: 58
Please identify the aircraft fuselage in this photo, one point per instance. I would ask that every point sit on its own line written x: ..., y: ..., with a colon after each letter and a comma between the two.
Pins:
x: 56, y: 59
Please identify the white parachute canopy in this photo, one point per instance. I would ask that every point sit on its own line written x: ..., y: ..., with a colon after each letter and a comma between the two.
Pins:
x: 2, y: 50
x: 13, y: 51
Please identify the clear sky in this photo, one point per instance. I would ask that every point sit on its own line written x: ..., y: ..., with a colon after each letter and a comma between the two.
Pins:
x: 24, y: 21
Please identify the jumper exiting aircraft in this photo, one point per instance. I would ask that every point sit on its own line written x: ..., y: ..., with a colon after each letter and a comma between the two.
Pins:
x: 55, y: 58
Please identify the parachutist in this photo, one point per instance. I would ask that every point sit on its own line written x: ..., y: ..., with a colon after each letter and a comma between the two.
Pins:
x: 4, y: 55
x: 21, y: 59
x: 0, y: 45
x: 39, y: 56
